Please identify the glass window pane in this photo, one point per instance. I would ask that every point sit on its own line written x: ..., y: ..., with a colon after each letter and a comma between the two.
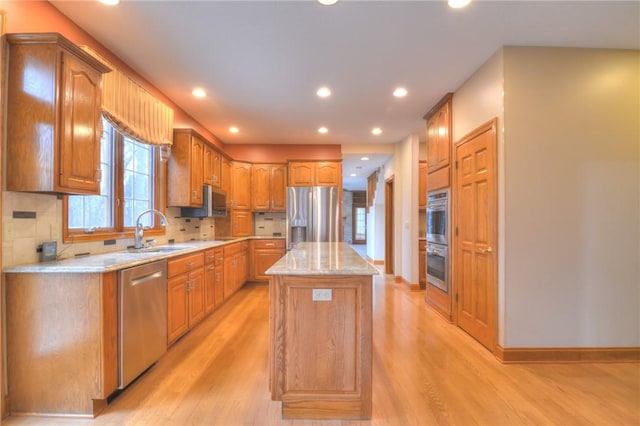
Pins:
x: 138, y: 182
x: 96, y: 211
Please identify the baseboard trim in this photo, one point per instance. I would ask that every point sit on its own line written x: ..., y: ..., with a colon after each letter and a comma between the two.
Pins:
x: 448, y: 316
x: 566, y: 355
x: 411, y: 286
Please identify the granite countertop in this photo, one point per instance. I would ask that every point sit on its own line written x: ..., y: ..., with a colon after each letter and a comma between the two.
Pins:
x: 114, y: 261
x: 322, y: 259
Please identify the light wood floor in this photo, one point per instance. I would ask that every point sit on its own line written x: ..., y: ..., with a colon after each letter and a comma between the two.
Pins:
x: 425, y: 372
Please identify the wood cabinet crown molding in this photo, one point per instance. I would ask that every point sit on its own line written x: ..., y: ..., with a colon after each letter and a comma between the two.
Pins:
x: 446, y: 98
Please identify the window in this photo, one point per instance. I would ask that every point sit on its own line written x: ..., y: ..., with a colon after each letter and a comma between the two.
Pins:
x: 128, y: 187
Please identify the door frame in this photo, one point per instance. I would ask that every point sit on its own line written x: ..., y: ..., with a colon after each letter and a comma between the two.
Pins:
x: 389, y: 233
x: 491, y: 125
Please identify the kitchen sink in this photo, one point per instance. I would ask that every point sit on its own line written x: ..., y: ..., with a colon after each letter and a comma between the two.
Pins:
x: 162, y: 249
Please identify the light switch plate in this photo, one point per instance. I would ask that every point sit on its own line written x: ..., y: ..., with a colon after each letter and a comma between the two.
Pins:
x: 322, y: 295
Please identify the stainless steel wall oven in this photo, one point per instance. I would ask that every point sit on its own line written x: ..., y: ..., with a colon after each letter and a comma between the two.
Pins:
x: 438, y: 239
x: 438, y: 217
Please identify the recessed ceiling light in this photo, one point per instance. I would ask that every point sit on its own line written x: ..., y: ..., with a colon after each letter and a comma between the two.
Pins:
x: 110, y: 2
x: 327, y: 2
x: 353, y: 175
x: 400, y: 92
x: 199, y: 92
x: 365, y: 158
x: 376, y: 131
x: 323, y: 92
x: 234, y: 129
x: 458, y: 4
x: 323, y: 130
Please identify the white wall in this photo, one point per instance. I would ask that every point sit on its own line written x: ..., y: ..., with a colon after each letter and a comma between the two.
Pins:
x: 569, y: 192
x: 572, y: 197
x: 406, y: 198
x: 376, y: 217
x: 477, y: 101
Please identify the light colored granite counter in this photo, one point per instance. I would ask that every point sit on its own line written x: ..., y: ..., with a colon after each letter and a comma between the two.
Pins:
x: 117, y: 260
x: 322, y: 259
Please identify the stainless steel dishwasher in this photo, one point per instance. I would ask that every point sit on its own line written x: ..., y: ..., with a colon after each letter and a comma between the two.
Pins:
x: 142, y: 319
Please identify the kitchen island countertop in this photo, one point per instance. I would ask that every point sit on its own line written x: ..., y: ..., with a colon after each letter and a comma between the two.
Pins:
x: 322, y: 259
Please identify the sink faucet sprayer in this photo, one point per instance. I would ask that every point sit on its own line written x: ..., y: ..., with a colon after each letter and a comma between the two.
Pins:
x: 139, y: 232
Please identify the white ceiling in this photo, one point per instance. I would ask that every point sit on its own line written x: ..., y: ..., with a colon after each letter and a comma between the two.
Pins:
x: 262, y: 61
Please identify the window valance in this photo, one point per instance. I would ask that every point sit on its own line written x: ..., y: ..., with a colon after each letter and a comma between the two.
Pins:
x: 131, y: 109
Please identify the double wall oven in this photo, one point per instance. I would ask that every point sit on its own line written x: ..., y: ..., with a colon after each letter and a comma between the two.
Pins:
x: 438, y: 239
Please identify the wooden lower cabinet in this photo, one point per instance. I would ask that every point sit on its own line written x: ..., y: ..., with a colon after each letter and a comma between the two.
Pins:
x: 61, y: 342
x: 321, y: 351
x: 265, y: 253
x: 213, y: 283
x: 185, y: 294
x: 236, y: 264
x: 422, y: 263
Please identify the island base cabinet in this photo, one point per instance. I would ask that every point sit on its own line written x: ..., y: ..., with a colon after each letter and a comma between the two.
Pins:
x: 61, y: 343
x: 320, y: 354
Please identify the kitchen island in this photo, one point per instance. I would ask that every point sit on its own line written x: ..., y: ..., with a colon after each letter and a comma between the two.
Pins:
x: 320, y: 324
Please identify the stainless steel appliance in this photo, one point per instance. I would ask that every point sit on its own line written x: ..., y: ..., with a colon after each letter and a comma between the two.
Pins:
x: 438, y: 266
x: 214, y: 204
x: 313, y: 214
x: 142, y: 319
x: 437, y: 216
x: 438, y: 239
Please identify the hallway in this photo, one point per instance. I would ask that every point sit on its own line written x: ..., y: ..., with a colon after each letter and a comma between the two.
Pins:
x: 425, y: 372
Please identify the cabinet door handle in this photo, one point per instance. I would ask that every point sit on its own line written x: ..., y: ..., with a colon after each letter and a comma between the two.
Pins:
x: 269, y: 244
x: 486, y: 250
x: 210, y: 268
x: 189, y: 264
x: 98, y: 174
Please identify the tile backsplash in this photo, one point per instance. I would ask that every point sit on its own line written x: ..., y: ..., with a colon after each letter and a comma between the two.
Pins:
x: 29, y: 219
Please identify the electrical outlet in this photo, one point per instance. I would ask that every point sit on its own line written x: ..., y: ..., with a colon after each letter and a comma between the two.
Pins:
x: 322, y: 295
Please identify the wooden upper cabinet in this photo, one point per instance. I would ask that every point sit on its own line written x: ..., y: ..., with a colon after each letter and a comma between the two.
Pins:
x: 211, y: 167
x: 422, y: 186
x: 268, y: 187
x: 207, y: 165
x: 225, y: 176
x: 302, y: 174
x: 329, y: 173
x: 54, y: 124
x: 240, y: 185
x: 310, y: 173
x: 439, y: 134
x: 278, y: 187
x: 216, y: 169
x: 185, y: 170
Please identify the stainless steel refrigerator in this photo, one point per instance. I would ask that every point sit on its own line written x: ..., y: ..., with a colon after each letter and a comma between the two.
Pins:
x: 313, y: 214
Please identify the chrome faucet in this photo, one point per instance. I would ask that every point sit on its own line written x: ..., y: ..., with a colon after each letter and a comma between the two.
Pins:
x: 139, y: 232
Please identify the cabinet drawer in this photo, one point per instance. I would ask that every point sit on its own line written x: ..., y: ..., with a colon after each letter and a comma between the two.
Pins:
x: 218, y: 255
x: 269, y: 244
x: 185, y: 263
